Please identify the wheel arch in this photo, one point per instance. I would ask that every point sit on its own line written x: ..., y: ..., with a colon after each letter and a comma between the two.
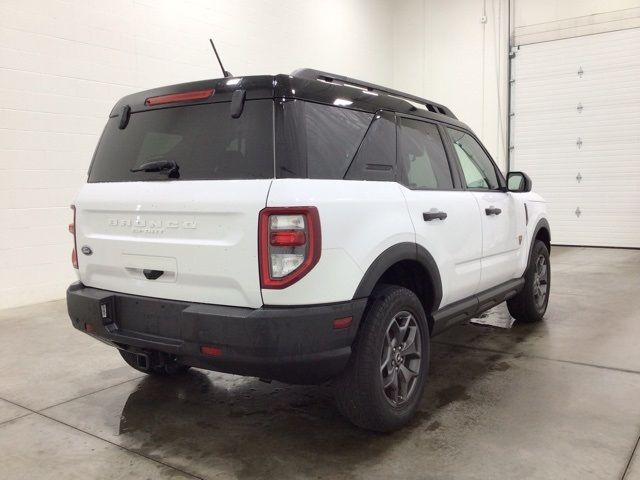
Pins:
x: 413, y: 267
x: 541, y: 232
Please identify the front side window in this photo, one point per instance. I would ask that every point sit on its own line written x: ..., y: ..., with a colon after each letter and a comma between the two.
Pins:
x: 477, y: 168
x: 422, y: 156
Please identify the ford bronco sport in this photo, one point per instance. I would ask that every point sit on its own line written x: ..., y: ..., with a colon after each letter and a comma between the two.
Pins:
x: 303, y: 228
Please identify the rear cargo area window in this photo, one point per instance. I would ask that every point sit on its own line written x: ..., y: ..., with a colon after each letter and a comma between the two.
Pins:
x: 376, y: 157
x: 318, y: 141
x: 203, y: 140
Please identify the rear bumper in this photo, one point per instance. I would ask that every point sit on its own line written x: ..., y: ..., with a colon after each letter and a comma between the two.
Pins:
x: 291, y: 344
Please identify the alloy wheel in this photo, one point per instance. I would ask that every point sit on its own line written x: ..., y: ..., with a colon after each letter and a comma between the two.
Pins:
x: 401, y: 358
x: 540, y: 281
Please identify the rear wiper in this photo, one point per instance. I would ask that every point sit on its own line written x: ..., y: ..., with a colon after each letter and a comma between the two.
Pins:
x: 159, y: 166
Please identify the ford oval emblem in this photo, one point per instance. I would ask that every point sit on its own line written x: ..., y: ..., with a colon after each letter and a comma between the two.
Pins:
x: 86, y: 249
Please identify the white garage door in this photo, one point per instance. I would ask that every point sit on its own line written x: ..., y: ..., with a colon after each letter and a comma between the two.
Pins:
x: 576, y: 132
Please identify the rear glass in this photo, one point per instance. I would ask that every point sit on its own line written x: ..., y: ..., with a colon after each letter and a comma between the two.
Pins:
x: 318, y: 141
x: 376, y: 157
x: 422, y: 156
x: 203, y: 140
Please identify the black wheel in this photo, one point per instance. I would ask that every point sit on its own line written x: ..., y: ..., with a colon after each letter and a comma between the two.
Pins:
x: 382, y: 385
x: 531, y: 303
x: 155, y: 367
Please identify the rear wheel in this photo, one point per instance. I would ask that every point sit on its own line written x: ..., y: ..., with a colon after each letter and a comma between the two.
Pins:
x: 151, y: 365
x: 531, y: 303
x: 382, y: 385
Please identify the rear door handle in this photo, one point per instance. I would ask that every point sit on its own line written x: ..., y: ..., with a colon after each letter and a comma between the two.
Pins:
x: 492, y: 211
x: 428, y: 216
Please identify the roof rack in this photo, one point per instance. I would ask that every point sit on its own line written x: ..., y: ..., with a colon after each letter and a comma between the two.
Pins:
x: 312, y: 74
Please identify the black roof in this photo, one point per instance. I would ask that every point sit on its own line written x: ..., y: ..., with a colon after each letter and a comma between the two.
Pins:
x: 305, y: 84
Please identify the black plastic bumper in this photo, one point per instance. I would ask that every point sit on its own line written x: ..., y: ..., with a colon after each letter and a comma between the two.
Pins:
x: 291, y: 344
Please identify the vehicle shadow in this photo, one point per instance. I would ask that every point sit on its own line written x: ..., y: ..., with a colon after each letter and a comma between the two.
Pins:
x: 212, y: 424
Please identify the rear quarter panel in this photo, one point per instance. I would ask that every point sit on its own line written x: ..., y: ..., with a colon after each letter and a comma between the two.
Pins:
x: 358, y: 219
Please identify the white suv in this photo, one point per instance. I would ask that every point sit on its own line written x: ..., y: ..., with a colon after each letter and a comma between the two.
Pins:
x: 300, y: 227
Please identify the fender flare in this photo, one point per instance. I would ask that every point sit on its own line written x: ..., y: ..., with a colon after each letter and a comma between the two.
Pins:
x: 542, y: 223
x: 393, y: 255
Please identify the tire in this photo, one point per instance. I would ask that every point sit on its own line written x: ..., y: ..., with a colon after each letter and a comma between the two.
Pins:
x: 163, y: 369
x: 359, y: 391
x: 530, y: 304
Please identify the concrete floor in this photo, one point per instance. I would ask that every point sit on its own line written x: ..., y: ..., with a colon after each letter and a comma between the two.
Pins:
x: 559, y: 400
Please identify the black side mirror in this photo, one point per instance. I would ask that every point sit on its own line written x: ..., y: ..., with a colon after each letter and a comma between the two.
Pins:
x: 518, y: 182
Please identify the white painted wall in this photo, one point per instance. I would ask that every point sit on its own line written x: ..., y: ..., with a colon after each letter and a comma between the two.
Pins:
x: 444, y: 52
x: 63, y: 64
x: 533, y: 12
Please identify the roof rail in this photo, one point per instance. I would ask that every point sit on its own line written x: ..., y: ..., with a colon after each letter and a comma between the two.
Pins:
x: 312, y: 74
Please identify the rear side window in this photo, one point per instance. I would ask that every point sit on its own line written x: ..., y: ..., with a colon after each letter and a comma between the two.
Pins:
x: 376, y: 157
x: 205, y: 142
x: 318, y: 141
x: 422, y: 156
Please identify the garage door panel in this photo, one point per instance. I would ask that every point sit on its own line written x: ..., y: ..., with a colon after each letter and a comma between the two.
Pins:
x: 576, y: 132
x: 623, y: 99
x: 593, y: 53
x: 547, y: 97
x: 593, y: 138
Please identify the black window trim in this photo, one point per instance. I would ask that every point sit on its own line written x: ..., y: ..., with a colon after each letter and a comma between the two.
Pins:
x: 402, y: 174
x: 502, y: 185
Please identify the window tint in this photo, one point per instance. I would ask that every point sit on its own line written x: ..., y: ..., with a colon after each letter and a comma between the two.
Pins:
x: 205, y: 142
x: 477, y: 167
x: 376, y: 157
x: 422, y: 156
x: 318, y: 141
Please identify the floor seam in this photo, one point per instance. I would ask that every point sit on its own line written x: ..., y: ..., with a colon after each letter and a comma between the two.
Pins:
x: 15, y: 418
x: 97, y: 437
x: 571, y: 294
x: 90, y: 393
x: 633, y: 452
x: 539, y: 357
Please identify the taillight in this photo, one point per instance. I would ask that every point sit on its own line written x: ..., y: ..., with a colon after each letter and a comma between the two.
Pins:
x: 179, y: 97
x: 72, y: 231
x: 289, y: 244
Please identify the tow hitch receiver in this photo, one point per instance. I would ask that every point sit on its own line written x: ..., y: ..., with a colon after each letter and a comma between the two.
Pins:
x: 142, y: 360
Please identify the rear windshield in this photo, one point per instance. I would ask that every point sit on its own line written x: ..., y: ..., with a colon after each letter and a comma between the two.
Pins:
x: 203, y: 140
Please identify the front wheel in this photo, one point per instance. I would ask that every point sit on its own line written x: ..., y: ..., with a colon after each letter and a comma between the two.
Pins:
x: 382, y: 385
x: 531, y: 303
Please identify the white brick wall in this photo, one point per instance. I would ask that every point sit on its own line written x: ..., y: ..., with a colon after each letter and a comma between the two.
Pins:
x: 64, y: 63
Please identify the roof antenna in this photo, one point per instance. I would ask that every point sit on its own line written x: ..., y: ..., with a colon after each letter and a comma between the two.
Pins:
x: 224, y: 72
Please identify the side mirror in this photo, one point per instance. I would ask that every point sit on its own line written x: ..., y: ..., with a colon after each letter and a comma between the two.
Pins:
x: 518, y: 182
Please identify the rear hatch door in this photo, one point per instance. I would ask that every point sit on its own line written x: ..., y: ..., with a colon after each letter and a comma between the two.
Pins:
x: 188, y: 236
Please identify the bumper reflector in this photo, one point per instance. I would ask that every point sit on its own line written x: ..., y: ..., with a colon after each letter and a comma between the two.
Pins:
x: 340, y: 323
x: 210, y: 351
